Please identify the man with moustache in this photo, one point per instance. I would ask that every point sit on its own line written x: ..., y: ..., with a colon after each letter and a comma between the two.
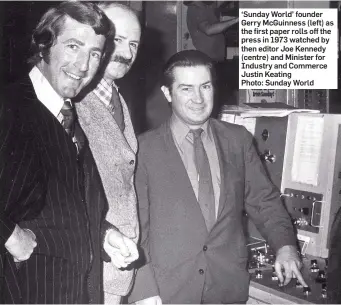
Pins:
x: 45, y: 246
x: 105, y: 119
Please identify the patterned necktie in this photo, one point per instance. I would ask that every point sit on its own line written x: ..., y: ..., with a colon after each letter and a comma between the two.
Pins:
x: 116, y: 107
x: 69, y: 117
x: 205, y: 193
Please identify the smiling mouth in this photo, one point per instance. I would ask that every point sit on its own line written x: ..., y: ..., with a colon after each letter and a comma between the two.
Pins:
x: 198, y: 109
x: 73, y: 76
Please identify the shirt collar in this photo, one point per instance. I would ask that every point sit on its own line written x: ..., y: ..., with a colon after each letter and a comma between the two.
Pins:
x: 104, y: 91
x: 105, y: 84
x: 180, y: 130
x: 45, y: 92
x: 114, y: 85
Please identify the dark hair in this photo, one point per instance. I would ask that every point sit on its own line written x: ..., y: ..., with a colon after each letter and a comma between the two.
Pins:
x: 187, y: 58
x: 51, y: 25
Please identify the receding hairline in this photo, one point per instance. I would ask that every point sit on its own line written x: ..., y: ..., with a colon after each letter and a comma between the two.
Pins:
x: 109, y: 5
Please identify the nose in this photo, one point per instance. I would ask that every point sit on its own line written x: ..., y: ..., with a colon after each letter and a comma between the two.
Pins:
x: 125, y: 51
x: 198, y: 96
x: 82, y: 62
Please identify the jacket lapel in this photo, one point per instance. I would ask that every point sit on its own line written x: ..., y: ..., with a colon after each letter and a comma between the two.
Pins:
x: 30, y: 104
x: 129, y: 132
x: 54, y: 142
x: 223, y: 151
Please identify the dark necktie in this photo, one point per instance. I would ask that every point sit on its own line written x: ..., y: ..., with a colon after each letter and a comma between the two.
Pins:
x: 70, y: 125
x: 116, y: 107
x: 205, y: 193
x: 69, y: 116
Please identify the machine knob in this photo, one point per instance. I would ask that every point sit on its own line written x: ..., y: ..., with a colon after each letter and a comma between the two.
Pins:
x: 324, y: 291
x: 274, y: 276
x: 271, y: 259
x: 306, y: 291
x: 259, y: 274
x: 304, y: 211
x: 268, y: 157
x: 313, y: 266
x: 261, y: 259
x: 298, y: 284
x: 271, y: 159
x: 321, y: 277
x: 265, y: 134
x: 301, y: 222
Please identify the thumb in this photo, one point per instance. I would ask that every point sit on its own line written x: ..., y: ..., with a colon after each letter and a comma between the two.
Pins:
x: 124, y: 249
x: 116, y: 239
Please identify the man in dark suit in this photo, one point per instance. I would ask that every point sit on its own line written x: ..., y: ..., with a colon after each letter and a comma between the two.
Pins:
x: 195, y: 177
x: 45, y: 246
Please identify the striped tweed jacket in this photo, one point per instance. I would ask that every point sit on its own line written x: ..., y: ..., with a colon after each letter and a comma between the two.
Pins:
x: 114, y: 154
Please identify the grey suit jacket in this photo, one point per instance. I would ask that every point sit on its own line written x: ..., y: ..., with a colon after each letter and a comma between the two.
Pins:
x: 184, y: 262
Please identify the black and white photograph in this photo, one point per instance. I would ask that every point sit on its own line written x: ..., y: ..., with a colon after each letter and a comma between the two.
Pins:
x: 170, y: 152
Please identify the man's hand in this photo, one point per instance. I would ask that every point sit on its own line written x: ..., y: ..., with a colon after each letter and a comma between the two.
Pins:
x: 21, y: 244
x: 156, y: 300
x: 121, y: 249
x: 287, y: 259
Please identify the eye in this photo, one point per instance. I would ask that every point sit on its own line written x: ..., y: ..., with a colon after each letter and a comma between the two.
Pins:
x: 73, y: 47
x: 186, y: 89
x: 207, y: 87
x: 134, y: 45
x: 96, y: 55
x: 117, y: 39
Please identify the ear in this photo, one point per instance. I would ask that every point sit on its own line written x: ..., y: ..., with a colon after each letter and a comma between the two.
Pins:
x: 166, y: 92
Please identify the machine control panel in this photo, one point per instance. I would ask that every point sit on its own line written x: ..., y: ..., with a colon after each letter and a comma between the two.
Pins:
x: 304, y: 209
x: 314, y: 270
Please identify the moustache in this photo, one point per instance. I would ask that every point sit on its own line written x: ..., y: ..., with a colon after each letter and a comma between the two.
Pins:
x: 122, y: 60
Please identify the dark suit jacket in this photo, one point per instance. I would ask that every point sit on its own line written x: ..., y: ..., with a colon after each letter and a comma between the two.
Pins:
x: 97, y: 207
x: 181, y: 255
x: 41, y: 180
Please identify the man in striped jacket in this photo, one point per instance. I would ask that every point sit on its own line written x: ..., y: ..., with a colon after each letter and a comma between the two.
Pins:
x: 44, y: 224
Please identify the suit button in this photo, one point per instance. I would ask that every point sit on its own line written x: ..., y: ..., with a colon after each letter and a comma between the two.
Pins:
x: 201, y: 271
x: 131, y: 162
x: 204, y: 248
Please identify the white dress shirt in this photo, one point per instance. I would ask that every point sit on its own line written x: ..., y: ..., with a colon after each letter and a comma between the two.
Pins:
x: 46, y: 94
